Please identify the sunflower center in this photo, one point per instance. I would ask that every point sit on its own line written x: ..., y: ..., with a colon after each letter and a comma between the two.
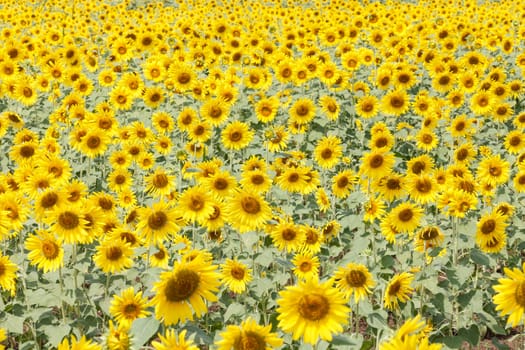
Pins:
x: 73, y: 196
x: 157, y: 220
x: 2, y: 269
x: 376, y: 161
x: 220, y: 184
x: 381, y: 142
x: 429, y: 234
x: 286, y: 73
x: 520, y: 294
x: 355, y: 278
x: 406, y: 215
x: 114, y: 253
x: 302, y: 110
x: 236, y: 136
x: 105, y: 203
x: 160, y: 254
x: 462, y: 154
x: 394, y: 288
x: 27, y: 151
x: 249, y: 341
x: 49, y: 200
x: 305, y: 266
x: 128, y: 237
x: 27, y: 92
x: 257, y: 179
x: 326, y: 153
x: 50, y: 249
x: 483, y: 102
x: 488, y: 226
x: 288, y: 234
x: 393, y: 184
x: 515, y: 141
x: 367, y: 107
x: 266, y: 111
x: 427, y: 139
x: 68, y: 220
x: 237, y: 273
x: 160, y: 180
x: 342, y: 182
x: 418, y: 167
x: 182, y: 285
x: 397, y: 102
x: 495, y: 171
x: 313, y: 307
x: 424, y: 186
x: 196, y: 203
x: 93, y: 141
x: 121, y: 99
x: 250, y: 205
x: 215, y: 112
x: 131, y: 310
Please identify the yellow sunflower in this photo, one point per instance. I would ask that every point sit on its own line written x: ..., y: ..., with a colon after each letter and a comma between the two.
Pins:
x: 158, y: 222
x: 235, y: 275
x: 302, y: 111
x: 376, y: 164
x: 249, y: 335
x: 312, y: 310
x: 398, y: 290
x: 328, y: 151
x: 353, y: 279
x: 287, y: 236
x: 170, y: 340
x: 128, y: 306
x: 236, y: 135
x: 306, y: 265
x: 493, y: 170
x: 247, y: 211
x: 113, y: 255
x: 510, y: 295
x: 45, y: 251
x: 183, y: 291
x: 75, y: 344
x: 405, y: 217
x: 8, y: 275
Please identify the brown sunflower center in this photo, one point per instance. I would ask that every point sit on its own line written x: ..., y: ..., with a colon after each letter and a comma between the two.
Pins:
x: 114, y: 253
x: 160, y: 254
x: 249, y: 341
x: 250, y: 205
x: 397, y: 102
x: 406, y: 215
x: 48, y: 200
x: 105, y: 203
x: 326, y: 153
x: 50, y: 249
x: 196, y: 203
x: 515, y: 141
x: 68, y: 220
x: 427, y: 139
x: 257, y: 179
x: 27, y: 151
x: 235, y: 136
x: 376, y: 161
x: 237, y: 273
x: 429, y: 234
x: 302, y: 110
x: 488, y: 226
x: 215, y: 112
x: 423, y: 186
x: 305, y: 266
x: 394, y: 288
x: 342, y: 182
x: 288, y: 234
x: 355, y: 278
x: 520, y: 294
x: 160, y: 180
x: 418, y: 167
x: 182, y: 285
x: 286, y: 73
x: 313, y: 307
x: 495, y: 171
x: 131, y: 310
x: 393, y: 184
x: 93, y: 142
x: 157, y: 220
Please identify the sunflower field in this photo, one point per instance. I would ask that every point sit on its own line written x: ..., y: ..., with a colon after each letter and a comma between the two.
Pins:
x: 262, y: 174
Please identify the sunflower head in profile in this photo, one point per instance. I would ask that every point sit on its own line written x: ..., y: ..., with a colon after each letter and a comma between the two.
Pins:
x: 8, y: 275
x: 249, y: 335
x: 182, y: 292
x: 398, y: 290
x: 510, y: 295
x: 312, y: 310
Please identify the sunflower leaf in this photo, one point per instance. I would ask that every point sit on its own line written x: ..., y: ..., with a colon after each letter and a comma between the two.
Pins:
x: 143, y: 329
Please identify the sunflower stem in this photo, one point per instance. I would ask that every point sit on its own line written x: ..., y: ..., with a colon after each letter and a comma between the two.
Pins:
x: 106, y: 289
x: 61, y: 282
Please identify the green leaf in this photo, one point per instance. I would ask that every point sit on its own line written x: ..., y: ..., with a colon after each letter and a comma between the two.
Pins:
x: 15, y: 324
x: 387, y: 261
x: 453, y: 342
x: 499, y: 345
x: 355, y: 340
x: 471, y: 334
x: 234, y: 309
x: 265, y: 259
x: 143, y: 329
x: 56, y: 333
x: 479, y: 258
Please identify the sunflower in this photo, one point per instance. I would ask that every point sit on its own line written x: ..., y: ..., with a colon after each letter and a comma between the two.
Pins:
x: 426, y: 140
x: 515, y: 141
x: 381, y: 141
x: 45, y: 251
x: 391, y: 186
x: 69, y: 224
x: 246, y: 210
x: 236, y: 135
x: 287, y: 236
x: 330, y: 107
x: 117, y: 337
x: 490, y: 227
x: 367, y: 106
x: 374, y: 209
x: 312, y: 310
x: 258, y: 180
x: 353, y: 279
x: 306, y: 265
x: 395, y: 102
x: 398, y: 290
x: 153, y: 96
x: 519, y: 181
x: 221, y: 183
x: 343, y: 183
x: 292, y: 179
x: 266, y: 109
x: 458, y: 202
x: 422, y: 188
x: 328, y: 151
x: 215, y: 111
x: 413, y: 334
x: 94, y: 143
x: 157, y: 223
x: 24, y: 153
x: 128, y: 306
x: 121, y: 98
x: 376, y: 164
x: 8, y: 274
x: 482, y: 103
x: 195, y: 204
x: 113, y: 256
x: 302, y: 111
x: 493, y: 170
x: 420, y: 165
x: 235, y: 275
x: 160, y: 182
x: 427, y: 238
x: 170, y: 340
x: 81, y: 343
x: 182, y: 292
x: 510, y: 295
x: 119, y: 180
x: 249, y: 335
x: 405, y: 217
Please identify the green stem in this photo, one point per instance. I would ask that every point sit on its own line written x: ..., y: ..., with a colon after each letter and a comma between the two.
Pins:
x: 61, y: 282
x: 106, y: 289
